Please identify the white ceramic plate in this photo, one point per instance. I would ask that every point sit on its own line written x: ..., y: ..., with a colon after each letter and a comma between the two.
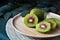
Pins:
x: 19, y: 26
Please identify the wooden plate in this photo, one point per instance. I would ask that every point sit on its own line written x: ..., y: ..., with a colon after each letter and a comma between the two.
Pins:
x: 19, y: 26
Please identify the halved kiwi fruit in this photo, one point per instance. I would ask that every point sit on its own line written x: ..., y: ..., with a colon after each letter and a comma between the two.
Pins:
x: 57, y: 21
x: 43, y: 27
x: 52, y: 22
x: 39, y: 13
x: 30, y: 20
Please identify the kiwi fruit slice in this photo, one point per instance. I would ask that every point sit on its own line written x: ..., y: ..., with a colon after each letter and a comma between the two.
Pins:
x: 30, y: 20
x: 38, y: 12
x: 43, y: 27
x: 57, y: 21
x: 52, y: 22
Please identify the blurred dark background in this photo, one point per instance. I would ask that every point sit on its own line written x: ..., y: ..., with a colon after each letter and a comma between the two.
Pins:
x: 44, y: 4
x: 9, y: 8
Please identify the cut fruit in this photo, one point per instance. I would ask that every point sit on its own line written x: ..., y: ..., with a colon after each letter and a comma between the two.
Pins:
x: 52, y: 22
x: 30, y: 20
x: 38, y: 12
x: 43, y: 27
x: 57, y: 21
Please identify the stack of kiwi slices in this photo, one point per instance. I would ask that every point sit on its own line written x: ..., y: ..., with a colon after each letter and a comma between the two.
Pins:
x: 37, y: 19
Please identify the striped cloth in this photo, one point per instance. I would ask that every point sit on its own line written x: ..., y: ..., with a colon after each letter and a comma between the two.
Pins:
x: 13, y: 35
